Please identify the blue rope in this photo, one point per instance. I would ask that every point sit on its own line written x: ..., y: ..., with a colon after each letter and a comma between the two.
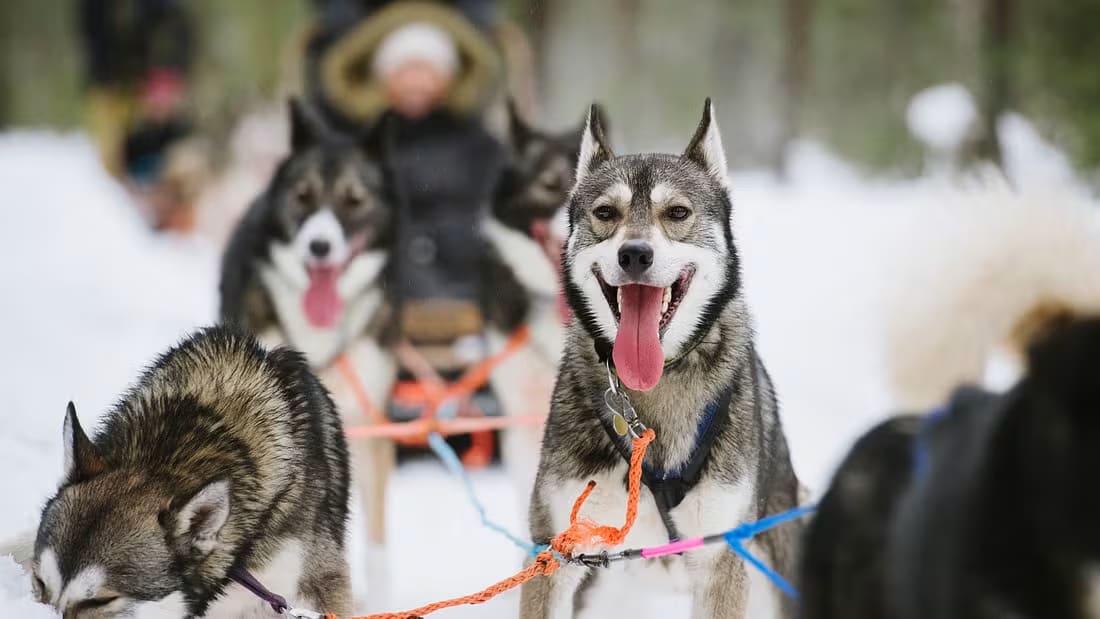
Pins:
x: 454, y: 465
x: 920, y: 445
x: 737, y: 537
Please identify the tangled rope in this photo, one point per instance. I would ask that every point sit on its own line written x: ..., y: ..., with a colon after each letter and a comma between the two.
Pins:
x: 580, y: 532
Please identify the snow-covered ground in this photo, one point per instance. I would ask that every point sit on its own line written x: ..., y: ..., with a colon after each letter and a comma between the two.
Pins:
x: 91, y: 296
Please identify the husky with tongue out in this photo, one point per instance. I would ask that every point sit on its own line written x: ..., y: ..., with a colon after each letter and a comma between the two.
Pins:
x: 305, y: 267
x: 651, y: 272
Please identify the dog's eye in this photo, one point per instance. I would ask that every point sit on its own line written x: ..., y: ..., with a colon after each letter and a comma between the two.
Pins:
x: 303, y: 193
x: 678, y: 212
x: 96, y: 602
x: 605, y: 212
x: 351, y: 200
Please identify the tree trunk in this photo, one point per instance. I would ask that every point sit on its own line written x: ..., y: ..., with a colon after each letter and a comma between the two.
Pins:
x: 797, y: 23
x: 995, y: 75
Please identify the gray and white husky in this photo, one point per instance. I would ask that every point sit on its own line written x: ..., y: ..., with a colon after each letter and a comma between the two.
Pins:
x: 305, y: 267
x: 651, y: 273
x: 225, y: 461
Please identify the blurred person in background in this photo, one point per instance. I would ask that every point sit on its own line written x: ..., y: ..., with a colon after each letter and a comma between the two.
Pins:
x: 435, y: 72
x: 434, y: 67
x: 413, y: 57
x: 138, y: 55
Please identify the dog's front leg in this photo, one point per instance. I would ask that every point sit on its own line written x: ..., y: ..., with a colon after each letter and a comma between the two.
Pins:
x: 372, y: 460
x: 720, y: 585
x: 551, y: 597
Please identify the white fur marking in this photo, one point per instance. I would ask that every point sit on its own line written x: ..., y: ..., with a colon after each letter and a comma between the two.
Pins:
x: 714, y: 154
x: 528, y: 261
x: 50, y: 573
x: 171, y: 606
x: 68, y: 446
x: 360, y: 273
x: 559, y: 224
x: 588, y: 151
x: 281, y: 574
x: 669, y: 260
x: 83, y: 586
x: 618, y: 194
x: 286, y: 280
x: 322, y: 226
x: 285, y: 260
x: 663, y: 194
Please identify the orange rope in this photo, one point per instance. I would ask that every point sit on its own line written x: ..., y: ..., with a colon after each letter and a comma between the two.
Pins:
x: 432, y: 397
x: 376, y: 416
x: 446, y: 427
x: 580, y: 532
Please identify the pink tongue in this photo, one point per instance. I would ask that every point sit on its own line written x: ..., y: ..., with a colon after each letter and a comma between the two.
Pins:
x: 638, y: 356
x: 322, y: 304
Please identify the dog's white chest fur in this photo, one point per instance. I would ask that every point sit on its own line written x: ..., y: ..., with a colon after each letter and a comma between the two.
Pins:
x: 280, y: 576
x: 709, y: 508
x: 286, y: 282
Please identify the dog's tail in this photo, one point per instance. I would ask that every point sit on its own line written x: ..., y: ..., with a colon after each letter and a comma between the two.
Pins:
x: 20, y: 548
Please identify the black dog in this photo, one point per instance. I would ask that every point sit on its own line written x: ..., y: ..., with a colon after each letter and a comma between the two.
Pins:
x: 984, y: 511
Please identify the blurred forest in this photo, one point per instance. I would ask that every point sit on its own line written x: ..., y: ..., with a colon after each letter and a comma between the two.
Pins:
x: 840, y: 71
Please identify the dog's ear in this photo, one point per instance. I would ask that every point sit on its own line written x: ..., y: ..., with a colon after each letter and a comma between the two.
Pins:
x: 594, y: 148
x: 519, y: 132
x: 601, y: 116
x: 303, y: 130
x: 82, y: 460
x: 200, y: 520
x: 705, y: 147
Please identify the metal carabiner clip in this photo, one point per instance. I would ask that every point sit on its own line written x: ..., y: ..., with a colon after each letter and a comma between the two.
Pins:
x: 299, y: 613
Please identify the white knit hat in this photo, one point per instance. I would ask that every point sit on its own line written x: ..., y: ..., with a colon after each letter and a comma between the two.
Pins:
x: 416, y: 41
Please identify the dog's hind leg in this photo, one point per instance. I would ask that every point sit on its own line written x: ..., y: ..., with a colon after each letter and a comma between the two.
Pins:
x: 325, y: 585
x: 522, y: 385
x: 372, y: 460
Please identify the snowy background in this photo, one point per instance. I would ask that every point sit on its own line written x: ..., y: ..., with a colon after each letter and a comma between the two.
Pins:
x: 90, y: 296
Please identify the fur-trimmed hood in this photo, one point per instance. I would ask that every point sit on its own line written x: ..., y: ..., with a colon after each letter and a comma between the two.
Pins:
x: 344, y: 76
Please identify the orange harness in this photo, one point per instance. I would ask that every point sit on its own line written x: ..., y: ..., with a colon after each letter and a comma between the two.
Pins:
x: 430, y: 396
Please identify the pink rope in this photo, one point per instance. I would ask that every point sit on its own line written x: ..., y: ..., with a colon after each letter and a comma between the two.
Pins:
x: 672, y: 548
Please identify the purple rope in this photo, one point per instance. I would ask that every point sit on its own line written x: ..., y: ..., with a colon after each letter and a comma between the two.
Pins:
x: 248, y: 581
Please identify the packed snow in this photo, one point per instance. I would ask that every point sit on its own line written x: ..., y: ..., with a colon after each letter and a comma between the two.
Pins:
x: 92, y: 296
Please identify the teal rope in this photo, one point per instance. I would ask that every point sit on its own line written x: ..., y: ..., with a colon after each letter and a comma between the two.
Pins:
x: 454, y: 465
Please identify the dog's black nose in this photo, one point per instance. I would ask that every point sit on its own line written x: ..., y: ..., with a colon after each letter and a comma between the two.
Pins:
x: 319, y: 248
x: 635, y: 257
